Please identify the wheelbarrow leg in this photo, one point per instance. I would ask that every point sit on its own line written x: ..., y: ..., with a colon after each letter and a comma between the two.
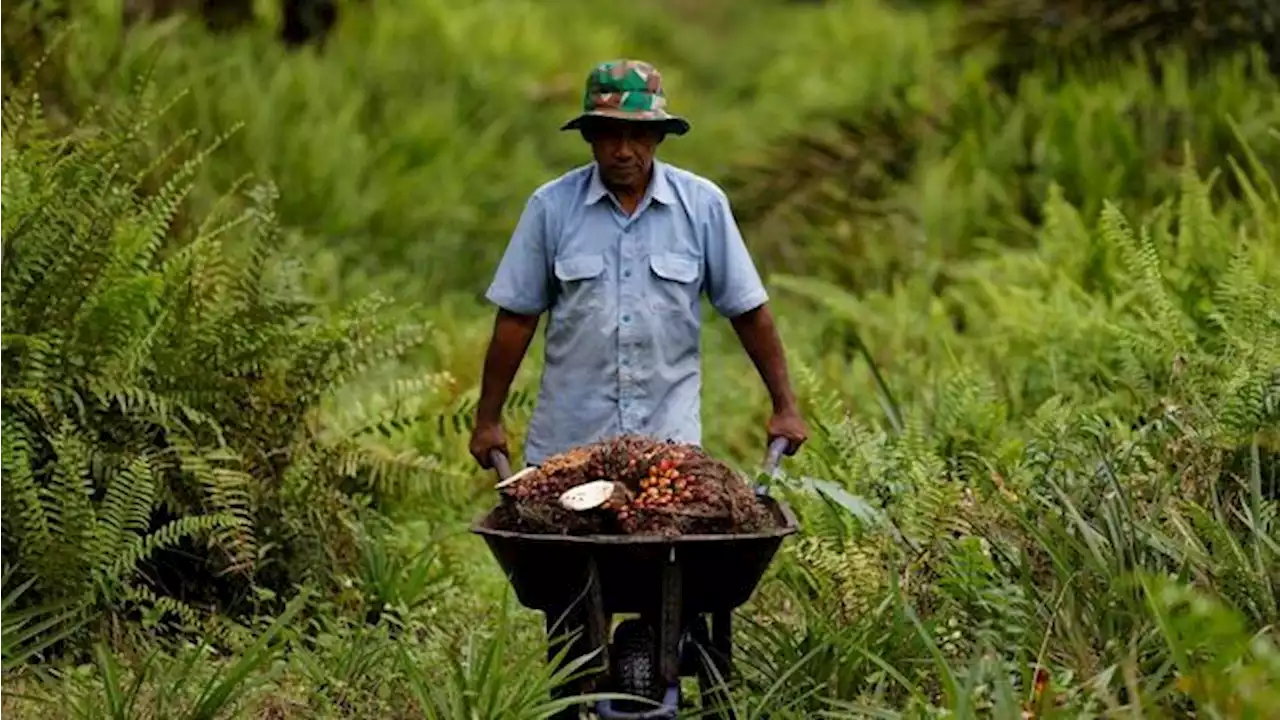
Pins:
x: 670, y: 621
x: 585, y: 615
x: 720, y: 656
x: 722, y: 641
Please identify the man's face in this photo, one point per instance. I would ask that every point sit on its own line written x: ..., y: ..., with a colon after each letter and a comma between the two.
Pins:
x: 623, y: 150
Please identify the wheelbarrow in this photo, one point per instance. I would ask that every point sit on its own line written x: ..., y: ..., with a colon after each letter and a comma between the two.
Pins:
x: 683, y: 589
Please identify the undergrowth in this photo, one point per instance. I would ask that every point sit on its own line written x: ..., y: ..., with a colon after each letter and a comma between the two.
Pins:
x: 1035, y: 330
x: 163, y: 451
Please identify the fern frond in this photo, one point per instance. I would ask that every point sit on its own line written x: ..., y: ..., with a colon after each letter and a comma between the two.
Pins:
x: 166, y: 536
x: 227, y: 492
x: 125, y: 510
x: 28, y: 522
x: 1142, y: 262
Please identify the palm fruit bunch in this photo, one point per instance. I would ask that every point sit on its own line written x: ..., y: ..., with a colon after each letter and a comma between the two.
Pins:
x: 664, y: 487
x: 548, y: 481
x: 621, y: 457
x: 530, y: 502
x: 657, y: 487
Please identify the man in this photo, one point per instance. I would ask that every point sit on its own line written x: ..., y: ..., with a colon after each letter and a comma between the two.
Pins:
x: 618, y: 253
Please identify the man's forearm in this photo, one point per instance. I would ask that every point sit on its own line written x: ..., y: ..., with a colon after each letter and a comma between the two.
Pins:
x: 760, y: 339
x: 512, y: 334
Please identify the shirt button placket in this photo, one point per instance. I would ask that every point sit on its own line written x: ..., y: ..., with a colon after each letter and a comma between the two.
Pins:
x: 626, y: 333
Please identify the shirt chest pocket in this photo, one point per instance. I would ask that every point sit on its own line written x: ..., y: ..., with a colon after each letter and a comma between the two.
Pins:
x: 674, y: 286
x: 580, y: 286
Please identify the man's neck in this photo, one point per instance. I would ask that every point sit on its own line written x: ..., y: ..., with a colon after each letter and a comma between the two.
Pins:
x: 629, y: 197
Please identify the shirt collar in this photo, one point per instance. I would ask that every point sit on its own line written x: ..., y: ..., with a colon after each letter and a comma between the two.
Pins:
x: 659, y: 187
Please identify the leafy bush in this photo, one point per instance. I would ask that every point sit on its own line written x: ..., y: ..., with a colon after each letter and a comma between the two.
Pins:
x: 947, y: 166
x: 1075, y: 527
x: 162, y: 447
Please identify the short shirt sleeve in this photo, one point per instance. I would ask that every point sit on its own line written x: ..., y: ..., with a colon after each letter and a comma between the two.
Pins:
x: 521, y: 284
x: 732, y: 282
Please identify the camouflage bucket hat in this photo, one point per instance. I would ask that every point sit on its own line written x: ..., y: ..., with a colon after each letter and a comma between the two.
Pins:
x: 627, y: 90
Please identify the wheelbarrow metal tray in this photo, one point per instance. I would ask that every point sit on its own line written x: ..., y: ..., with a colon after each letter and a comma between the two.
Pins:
x: 718, y: 572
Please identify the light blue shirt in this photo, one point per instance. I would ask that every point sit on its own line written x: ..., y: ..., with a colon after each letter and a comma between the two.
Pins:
x: 623, y: 296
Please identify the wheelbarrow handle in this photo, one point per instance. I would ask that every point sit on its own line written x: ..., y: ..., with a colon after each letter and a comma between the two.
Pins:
x: 773, y: 457
x: 777, y: 446
x: 500, y: 463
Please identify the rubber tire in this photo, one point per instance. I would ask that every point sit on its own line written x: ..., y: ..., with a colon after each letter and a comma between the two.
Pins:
x: 634, y: 670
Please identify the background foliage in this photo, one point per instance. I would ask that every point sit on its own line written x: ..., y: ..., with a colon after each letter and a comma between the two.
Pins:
x: 1028, y: 298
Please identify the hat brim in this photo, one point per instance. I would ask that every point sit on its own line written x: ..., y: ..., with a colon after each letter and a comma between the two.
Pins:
x: 671, y: 124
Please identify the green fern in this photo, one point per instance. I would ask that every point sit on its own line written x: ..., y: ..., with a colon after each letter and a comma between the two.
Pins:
x: 163, y: 381
x: 1142, y: 262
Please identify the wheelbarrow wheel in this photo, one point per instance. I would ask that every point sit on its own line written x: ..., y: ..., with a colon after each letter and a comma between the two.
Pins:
x: 635, y: 667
